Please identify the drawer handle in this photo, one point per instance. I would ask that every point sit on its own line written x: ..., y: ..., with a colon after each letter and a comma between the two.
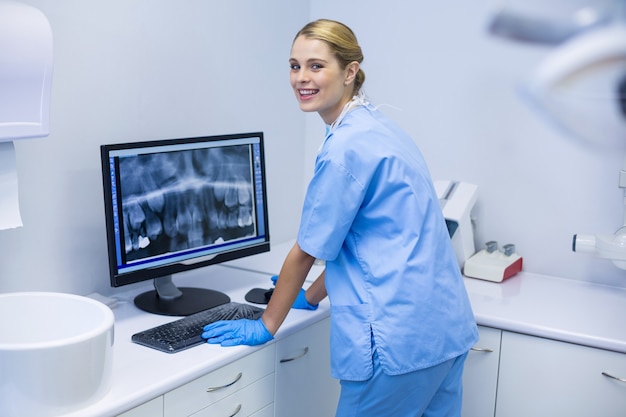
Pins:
x: 306, y: 350
x: 614, y: 377
x: 477, y: 349
x: 237, y: 378
x: 237, y: 410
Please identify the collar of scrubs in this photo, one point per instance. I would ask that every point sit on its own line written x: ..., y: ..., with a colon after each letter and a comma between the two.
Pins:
x: 358, y: 100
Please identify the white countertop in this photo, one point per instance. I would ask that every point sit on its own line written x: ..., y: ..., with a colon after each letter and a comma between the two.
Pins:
x: 140, y: 373
x: 538, y: 305
x: 554, y: 308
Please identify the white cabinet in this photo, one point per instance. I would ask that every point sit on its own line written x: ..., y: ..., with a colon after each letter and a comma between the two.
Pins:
x: 540, y: 377
x: 480, y: 376
x: 240, y: 388
x: 288, y: 378
x: 304, y: 387
x: 513, y: 375
x: 152, y: 408
x: 245, y: 402
x: 265, y: 412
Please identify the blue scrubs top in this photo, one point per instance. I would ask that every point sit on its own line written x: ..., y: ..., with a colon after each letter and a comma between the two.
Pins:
x: 372, y: 213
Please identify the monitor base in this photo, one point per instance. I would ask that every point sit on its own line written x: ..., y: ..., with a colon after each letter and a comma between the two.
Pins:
x: 192, y: 300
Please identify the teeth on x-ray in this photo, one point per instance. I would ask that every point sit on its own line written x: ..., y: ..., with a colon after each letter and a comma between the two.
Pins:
x: 185, y: 199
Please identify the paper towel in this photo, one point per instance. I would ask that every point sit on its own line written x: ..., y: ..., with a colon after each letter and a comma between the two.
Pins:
x: 10, y: 217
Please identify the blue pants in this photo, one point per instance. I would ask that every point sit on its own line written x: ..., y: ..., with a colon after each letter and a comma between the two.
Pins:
x: 432, y: 392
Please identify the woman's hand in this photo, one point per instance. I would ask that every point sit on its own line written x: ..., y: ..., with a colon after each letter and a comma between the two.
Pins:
x: 237, y: 332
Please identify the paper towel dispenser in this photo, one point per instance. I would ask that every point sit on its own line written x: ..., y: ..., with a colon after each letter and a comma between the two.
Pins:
x: 25, y: 71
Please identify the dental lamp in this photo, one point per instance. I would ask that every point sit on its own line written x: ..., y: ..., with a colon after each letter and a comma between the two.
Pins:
x: 580, y: 88
x: 540, y: 28
x: 552, y: 23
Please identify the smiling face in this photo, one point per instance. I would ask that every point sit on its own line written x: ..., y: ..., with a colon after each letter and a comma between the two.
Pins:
x: 317, y: 79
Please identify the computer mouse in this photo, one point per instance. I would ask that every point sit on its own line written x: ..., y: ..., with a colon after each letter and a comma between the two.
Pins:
x: 259, y: 295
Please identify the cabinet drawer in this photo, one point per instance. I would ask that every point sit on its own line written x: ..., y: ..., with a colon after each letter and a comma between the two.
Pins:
x: 480, y: 376
x: 265, y: 412
x: 304, y: 387
x: 541, y: 377
x: 243, y: 403
x: 206, y: 390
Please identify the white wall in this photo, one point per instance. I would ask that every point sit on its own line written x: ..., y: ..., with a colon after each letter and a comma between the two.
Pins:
x: 148, y: 69
x: 455, y: 86
x: 138, y: 70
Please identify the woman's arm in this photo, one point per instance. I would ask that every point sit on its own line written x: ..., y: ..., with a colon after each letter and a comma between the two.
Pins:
x: 291, y: 278
x: 317, y: 291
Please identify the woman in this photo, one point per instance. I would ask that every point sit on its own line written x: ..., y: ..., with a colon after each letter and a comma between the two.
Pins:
x: 401, y: 322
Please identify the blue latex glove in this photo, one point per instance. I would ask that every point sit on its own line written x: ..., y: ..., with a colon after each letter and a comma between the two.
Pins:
x: 301, y: 303
x: 237, y: 332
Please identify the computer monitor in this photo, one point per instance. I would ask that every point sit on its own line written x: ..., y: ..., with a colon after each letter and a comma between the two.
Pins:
x: 178, y: 204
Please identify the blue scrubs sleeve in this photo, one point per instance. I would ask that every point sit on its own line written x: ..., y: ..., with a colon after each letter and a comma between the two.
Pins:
x: 331, y: 203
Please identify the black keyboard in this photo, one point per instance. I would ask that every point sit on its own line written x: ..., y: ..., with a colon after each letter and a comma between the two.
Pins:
x: 187, y: 332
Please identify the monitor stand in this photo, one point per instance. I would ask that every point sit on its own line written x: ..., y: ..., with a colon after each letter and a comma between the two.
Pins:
x: 169, y: 300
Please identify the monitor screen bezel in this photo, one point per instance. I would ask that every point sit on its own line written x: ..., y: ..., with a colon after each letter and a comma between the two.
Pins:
x: 117, y: 278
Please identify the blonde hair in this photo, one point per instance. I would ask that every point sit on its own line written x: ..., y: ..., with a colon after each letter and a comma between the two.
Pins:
x: 342, y: 42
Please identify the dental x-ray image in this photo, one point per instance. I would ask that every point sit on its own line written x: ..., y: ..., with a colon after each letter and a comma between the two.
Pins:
x: 185, y: 199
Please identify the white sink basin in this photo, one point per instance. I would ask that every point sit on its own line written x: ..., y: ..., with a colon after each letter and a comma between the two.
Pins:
x: 55, y: 353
